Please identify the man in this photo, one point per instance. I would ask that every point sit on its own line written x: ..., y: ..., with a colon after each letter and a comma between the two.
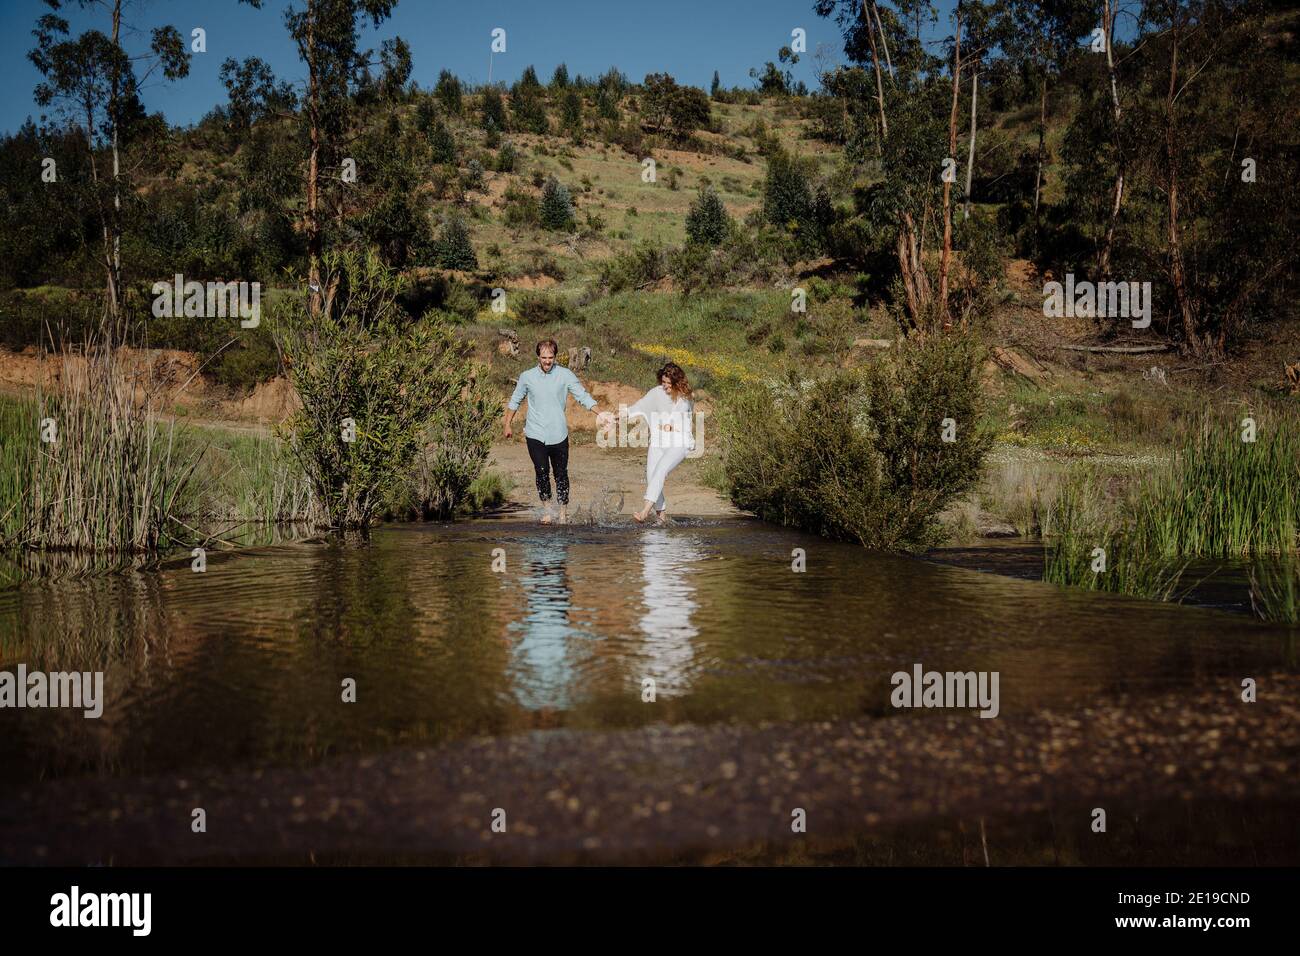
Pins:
x: 547, y: 387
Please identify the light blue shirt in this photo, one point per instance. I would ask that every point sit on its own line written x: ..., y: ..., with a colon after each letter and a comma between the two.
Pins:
x: 547, y: 394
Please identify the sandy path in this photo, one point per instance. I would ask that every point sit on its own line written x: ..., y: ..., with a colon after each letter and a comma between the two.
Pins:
x: 595, y: 473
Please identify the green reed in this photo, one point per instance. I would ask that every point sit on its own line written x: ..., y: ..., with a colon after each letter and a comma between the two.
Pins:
x: 1275, y: 589
x: 1219, y: 497
x: 1225, y: 497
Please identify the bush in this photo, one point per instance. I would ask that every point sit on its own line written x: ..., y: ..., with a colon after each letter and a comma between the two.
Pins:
x: 489, y: 490
x: 521, y: 207
x: 643, y: 266
x: 473, y: 178
x: 448, y: 91
x: 448, y: 467
x: 442, y: 145
x: 371, y: 383
x: 536, y: 308
x: 707, y: 222
x: 859, y: 455
x: 507, y: 158
x: 787, y: 196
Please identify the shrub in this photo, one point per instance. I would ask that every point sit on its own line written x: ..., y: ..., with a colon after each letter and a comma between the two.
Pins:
x: 494, y: 110
x: 521, y: 207
x: 787, y: 196
x: 473, y: 178
x: 707, y: 222
x: 507, y: 157
x: 448, y: 91
x: 442, y: 145
x: 537, y: 308
x: 460, y: 442
x: 643, y: 266
x: 489, y: 490
x: 371, y: 383
x: 859, y: 455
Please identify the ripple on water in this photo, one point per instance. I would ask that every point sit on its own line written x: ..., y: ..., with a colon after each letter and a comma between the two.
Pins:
x: 245, y: 662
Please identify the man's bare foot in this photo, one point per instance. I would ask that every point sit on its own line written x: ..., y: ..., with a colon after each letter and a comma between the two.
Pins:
x: 661, y: 517
x: 564, y: 516
x: 546, y: 515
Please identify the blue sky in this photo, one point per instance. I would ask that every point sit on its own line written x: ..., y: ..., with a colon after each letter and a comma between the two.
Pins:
x: 687, y: 38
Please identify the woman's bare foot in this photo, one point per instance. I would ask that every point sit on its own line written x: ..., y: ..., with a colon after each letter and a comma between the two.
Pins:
x: 564, y: 516
x: 546, y: 515
x: 639, y: 517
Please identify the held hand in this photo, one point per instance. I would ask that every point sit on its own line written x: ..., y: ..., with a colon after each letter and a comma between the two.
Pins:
x: 509, y: 433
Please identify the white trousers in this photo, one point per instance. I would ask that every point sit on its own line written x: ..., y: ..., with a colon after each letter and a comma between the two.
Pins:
x: 659, y: 464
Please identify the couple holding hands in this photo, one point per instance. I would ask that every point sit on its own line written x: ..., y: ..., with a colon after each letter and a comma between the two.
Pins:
x: 667, y: 408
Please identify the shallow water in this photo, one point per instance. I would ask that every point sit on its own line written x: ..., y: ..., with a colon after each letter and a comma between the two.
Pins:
x: 243, y: 664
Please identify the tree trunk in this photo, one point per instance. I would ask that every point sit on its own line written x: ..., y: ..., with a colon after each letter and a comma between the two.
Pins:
x: 915, y: 284
x: 875, y: 63
x: 945, y: 257
x: 1042, y: 153
x: 1177, y: 271
x: 115, y: 271
x: 884, y: 43
x: 1108, y: 241
x: 313, y: 171
x: 970, y: 156
x: 110, y: 286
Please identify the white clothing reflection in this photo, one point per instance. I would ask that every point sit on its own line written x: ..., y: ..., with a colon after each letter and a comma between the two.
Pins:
x: 668, y: 595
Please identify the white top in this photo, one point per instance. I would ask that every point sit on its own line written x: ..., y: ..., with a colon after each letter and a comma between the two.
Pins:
x: 659, y: 410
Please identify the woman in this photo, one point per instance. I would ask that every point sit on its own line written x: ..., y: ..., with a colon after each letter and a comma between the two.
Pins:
x: 668, y: 410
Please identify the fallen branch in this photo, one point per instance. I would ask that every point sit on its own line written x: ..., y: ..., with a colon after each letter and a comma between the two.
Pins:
x: 1123, y: 349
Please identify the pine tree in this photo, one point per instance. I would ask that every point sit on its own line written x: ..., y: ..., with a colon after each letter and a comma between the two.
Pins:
x: 441, y: 144
x: 454, y: 249
x: 715, y: 86
x: 557, y: 205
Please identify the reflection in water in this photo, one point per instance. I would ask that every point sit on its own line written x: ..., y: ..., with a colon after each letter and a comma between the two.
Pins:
x: 242, y: 664
x: 667, y: 593
x: 541, y: 657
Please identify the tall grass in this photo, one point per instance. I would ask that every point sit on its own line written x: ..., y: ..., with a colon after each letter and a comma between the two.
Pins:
x: 1275, y: 589
x: 17, y: 423
x: 1220, y: 497
x: 248, y: 477
x: 112, y: 478
x: 1091, y: 546
x: 1226, y: 497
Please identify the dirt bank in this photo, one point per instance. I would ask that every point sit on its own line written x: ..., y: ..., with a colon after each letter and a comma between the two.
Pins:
x: 616, y: 796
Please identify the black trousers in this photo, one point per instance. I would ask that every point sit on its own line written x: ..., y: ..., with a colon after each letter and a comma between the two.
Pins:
x: 546, y: 458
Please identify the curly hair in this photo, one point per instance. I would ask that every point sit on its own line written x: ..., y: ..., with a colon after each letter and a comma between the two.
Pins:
x: 677, y: 379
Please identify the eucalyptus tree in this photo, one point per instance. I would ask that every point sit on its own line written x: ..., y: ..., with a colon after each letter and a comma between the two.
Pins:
x: 92, y: 81
x: 909, y: 139
x: 1040, y: 36
x: 327, y: 36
